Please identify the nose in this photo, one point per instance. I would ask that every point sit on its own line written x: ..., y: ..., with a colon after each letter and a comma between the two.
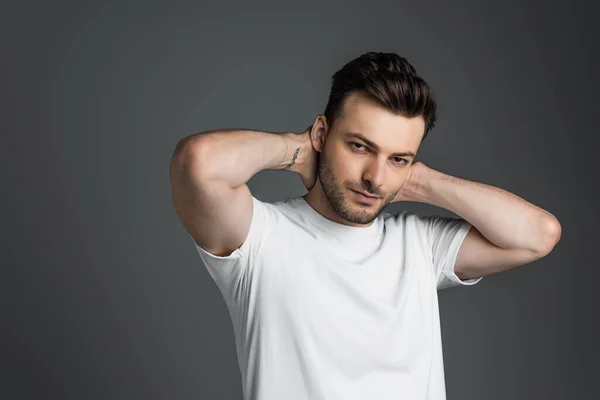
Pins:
x: 374, y: 174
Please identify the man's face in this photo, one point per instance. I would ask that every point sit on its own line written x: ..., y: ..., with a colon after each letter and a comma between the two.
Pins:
x: 378, y: 165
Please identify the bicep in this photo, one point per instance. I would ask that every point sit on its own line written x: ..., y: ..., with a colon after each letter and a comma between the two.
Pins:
x: 216, y: 215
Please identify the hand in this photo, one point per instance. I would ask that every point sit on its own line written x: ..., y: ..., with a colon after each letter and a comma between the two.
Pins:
x: 305, y: 163
x: 409, y: 190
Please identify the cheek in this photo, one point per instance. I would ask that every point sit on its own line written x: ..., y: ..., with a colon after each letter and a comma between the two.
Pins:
x: 346, y: 168
x: 352, y: 173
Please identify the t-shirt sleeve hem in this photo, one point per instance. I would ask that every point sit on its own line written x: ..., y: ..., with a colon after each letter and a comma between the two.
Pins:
x: 449, y: 277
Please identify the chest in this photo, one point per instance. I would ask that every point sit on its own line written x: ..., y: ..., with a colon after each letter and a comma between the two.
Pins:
x: 382, y: 310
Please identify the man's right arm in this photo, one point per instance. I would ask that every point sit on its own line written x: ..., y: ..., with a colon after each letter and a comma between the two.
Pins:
x: 208, y: 175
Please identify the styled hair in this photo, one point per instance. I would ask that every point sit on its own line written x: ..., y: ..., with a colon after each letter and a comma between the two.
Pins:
x: 388, y: 79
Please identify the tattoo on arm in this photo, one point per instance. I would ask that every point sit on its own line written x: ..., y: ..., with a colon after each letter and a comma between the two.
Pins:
x: 290, y: 165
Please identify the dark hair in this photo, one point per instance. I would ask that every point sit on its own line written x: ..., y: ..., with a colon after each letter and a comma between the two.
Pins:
x: 388, y: 79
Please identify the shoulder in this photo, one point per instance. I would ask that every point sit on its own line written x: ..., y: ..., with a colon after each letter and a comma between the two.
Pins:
x: 427, y: 229
x: 405, y: 219
x: 276, y: 216
x: 275, y: 210
x: 418, y: 220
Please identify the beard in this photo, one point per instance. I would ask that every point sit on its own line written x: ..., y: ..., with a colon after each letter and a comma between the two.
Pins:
x: 336, y: 194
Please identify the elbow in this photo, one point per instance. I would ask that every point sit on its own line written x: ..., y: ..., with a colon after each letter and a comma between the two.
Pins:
x: 555, y: 231
x: 552, y: 235
x: 190, y: 148
x: 190, y: 154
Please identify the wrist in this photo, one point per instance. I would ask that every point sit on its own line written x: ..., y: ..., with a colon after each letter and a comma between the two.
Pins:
x: 290, y: 149
x: 425, y: 187
x: 417, y: 187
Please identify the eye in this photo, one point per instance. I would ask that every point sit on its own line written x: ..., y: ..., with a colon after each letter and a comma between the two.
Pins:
x: 358, y: 144
x: 400, y: 160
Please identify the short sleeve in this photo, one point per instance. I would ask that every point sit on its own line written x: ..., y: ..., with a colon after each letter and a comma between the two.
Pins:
x: 229, y: 272
x: 444, y: 237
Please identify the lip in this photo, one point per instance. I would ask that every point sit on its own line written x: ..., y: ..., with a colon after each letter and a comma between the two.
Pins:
x: 365, y: 194
x: 365, y: 198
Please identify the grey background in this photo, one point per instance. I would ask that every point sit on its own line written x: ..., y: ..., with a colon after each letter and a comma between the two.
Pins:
x: 103, y: 293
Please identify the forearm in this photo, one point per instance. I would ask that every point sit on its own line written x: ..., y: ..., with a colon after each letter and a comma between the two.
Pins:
x: 235, y: 156
x: 505, y: 219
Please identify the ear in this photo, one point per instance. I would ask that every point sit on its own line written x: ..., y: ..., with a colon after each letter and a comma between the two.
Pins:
x: 319, y: 132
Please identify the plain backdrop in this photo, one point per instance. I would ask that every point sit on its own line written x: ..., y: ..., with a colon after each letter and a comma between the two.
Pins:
x: 103, y: 293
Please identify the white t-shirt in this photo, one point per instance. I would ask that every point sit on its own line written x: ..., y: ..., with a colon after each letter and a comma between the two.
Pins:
x: 327, y: 311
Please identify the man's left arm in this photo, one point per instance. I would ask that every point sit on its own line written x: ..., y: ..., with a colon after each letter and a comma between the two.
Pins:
x: 507, y: 231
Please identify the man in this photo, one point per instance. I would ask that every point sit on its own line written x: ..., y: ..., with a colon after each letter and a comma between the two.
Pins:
x: 330, y: 296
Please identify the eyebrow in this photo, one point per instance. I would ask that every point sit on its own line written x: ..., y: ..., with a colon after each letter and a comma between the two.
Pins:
x: 373, y: 145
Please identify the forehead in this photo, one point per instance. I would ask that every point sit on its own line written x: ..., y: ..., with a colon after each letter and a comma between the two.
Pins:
x: 390, y: 131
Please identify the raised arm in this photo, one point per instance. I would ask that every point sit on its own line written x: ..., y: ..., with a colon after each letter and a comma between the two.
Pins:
x: 209, y: 171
